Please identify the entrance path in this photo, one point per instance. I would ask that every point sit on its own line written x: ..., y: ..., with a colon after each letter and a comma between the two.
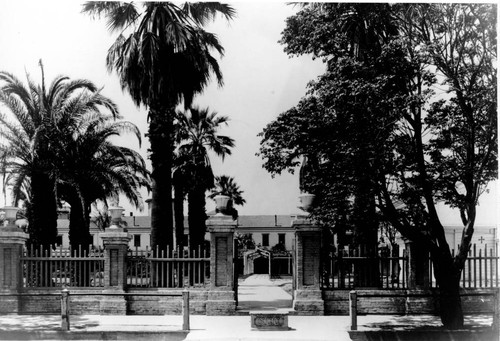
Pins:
x: 259, y: 293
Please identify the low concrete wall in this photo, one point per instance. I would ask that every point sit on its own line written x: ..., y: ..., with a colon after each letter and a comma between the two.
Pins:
x: 404, y: 301
x: 89, y: 301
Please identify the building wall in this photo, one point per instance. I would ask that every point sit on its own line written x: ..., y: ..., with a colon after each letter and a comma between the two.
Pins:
x: 486, y: 235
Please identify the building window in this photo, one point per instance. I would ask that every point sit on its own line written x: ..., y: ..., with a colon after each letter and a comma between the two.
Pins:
x: 281, y: 238
x: 137, y: 240
x: 265, y: 239
x: 59, y: 239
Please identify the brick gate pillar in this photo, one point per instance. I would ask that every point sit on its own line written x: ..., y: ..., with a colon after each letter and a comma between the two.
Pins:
x: 308, y: 298
x: 418, y: 263
x: 115, y: 241
x: 12, y: 241
x: 221, y: 299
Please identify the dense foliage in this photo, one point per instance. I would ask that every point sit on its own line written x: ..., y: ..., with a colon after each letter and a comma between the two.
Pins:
x: 163, y: 56
x: 405, y: 116
x: 197, y: 133
x: 55, y: 146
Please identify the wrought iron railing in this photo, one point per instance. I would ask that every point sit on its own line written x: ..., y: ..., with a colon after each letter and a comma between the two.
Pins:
x: 356, y: 268
x: 171, y: 268
x: 62, y: 267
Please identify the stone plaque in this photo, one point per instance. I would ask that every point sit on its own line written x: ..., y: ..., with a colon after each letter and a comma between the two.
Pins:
x: 269, y: 321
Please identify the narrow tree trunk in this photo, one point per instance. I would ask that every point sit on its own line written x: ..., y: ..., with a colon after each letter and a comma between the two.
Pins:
x: 160, y: 132
x: 179, y: 210
x: 448, y: 279
x: 42, y: 212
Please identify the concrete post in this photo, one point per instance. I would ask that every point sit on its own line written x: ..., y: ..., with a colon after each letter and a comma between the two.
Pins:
x: 221, y: 297
x: 115, y: 242
x: 12, y: 241
x: 65, y: 325
x: 418, y: 263
x: 185, y: 309
x: 353, y: 309
x: 307, y: 296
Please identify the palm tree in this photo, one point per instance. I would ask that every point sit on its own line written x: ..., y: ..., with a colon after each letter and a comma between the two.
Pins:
x: 31, y: 116
x: 225, y: 185
x: 163, y: 57
x: 196, y: 133
x: 92, y: 168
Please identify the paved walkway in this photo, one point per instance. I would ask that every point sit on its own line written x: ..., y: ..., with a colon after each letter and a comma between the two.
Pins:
x: 259, y: 293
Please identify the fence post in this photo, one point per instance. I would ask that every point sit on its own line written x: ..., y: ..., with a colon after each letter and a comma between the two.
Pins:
x: 185, y: 309
x: 496, y: 311
x: 221, y: 296
x: 353, y: 306
x: 308, y: 296
x: 12, y: 240
x: 65, y: 310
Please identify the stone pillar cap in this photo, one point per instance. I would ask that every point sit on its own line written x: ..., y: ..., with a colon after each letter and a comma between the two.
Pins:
x: 115, y: 236
x: 12, y: 236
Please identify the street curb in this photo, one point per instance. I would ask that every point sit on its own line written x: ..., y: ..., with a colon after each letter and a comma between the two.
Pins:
x: 93, y: 335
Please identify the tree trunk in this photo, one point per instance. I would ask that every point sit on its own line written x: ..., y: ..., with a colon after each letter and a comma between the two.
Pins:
x: 79, y: 229
x: 42, y: 212
x: 366, y: 272
x: 197, y: 217
x: 160, y: 138
x: 179, y: 213
x: 448, y: 279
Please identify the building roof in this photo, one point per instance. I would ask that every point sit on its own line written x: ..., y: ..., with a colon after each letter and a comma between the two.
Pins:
x: 264, y: 220
x: 243, y: 221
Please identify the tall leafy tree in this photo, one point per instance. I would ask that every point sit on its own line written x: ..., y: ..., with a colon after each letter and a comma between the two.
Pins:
x: 423, y: 147
x: 226, y: 185
x: 31, y: 117
x: 163, y: 57
x: 92, y: 168
x: 196, y: 135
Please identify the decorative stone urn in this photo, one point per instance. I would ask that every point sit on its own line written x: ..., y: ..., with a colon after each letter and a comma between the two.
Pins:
x: 9, y: 215
x: 116, y: 216
x: 221, y: 202
x: 306, y: 201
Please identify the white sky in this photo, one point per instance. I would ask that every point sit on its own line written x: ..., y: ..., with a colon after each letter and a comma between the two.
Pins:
x: 261, y: 81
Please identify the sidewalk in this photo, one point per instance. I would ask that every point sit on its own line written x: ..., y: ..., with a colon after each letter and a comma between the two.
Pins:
x: 133, y: 327
x: 223, y: 328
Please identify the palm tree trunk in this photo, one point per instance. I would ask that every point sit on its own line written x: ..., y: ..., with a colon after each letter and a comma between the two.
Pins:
x: 43, y: 212
x: 196, y: 217
x: 160, y: 138
x: 179, y: 209
x: 79, y: 231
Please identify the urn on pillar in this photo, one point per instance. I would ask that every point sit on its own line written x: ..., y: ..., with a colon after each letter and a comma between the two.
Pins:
x: 221, y: 203
x: 306, y: 201
x: 116, y: 216
x: 115, y: 240
x: 221, y: 298
x: 9, y: 214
